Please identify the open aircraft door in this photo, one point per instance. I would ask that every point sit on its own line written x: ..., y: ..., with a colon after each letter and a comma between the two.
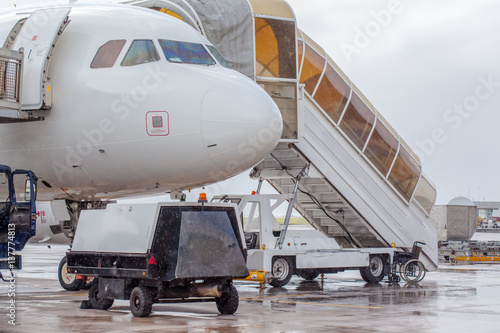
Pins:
x: 25, y: 81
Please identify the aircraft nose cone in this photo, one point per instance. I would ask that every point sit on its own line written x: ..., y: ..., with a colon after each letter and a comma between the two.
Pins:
x: 240, y: 125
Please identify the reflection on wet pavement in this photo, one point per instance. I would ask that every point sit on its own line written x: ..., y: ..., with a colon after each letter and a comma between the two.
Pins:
x: 454, y: 299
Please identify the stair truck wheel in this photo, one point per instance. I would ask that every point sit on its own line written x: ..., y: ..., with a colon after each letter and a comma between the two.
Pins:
x: 374, y: 273
x: 141, y: 302
x: 282, y: 270
x: 96, y: 302
x: 228, y: 303
x: 308, y: 275
x: 68, y: 281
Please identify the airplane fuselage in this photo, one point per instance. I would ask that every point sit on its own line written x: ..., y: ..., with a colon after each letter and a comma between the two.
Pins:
x: 149, y: 127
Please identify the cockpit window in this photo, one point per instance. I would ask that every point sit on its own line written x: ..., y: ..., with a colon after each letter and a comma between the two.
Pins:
x: 107, y: 54
x: 218, y: 56
x: 187, y: 53
x: 141, y: 52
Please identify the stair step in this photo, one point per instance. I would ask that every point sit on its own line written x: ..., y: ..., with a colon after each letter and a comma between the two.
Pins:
x: 321, y: 189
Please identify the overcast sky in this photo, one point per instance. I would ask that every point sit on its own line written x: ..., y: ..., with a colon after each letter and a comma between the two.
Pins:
x: 431, y: 68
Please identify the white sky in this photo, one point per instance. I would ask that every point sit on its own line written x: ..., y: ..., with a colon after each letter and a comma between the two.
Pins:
x: 418, y: 67
x: 426, y: 60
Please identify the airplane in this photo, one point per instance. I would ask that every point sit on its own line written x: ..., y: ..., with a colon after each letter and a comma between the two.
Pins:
x: 48, y: 229
x: 120, y: 101
x: 115, y: 101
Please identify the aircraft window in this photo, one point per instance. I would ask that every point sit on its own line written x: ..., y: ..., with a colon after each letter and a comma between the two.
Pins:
x: 312, y: 69
x: 275, y: 48
x: 382, y: 148
x: 405, y: 173
x: 186, y: 53
x: 357, y: 121
x: 332, y: 93
x: 425, y: 194
x: 107, y: 54
x: 141, y: 52
x: 218, y: 56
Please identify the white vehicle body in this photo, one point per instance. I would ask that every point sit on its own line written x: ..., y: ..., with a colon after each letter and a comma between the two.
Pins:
x: 490, y: 224
x: 309, y: 249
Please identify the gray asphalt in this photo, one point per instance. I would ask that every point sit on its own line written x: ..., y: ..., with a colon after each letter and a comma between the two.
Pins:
x: 460, y: 298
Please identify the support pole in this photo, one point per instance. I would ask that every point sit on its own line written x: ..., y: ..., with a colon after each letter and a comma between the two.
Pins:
x: 259, y: 187
x: 290, y: 209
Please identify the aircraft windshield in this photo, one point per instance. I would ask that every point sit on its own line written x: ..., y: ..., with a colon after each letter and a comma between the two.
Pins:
x: 187, y: 53
x: 218, y: 56
x: 141, y: 52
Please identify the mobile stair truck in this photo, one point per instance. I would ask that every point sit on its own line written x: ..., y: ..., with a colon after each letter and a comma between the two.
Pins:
x: 278, y: 251
x: 17, y: 214
x: 160, y: 253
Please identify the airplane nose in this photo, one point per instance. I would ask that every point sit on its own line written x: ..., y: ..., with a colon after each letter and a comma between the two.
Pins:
x: 240, y: 125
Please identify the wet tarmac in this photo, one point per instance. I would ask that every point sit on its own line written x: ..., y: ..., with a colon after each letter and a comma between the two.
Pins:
x: 459, y: 298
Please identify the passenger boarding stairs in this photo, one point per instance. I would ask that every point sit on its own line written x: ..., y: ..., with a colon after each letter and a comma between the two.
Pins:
x: 340, y: 193
x: 317, y: 199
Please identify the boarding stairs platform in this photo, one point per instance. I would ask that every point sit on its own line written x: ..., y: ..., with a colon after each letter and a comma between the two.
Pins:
x: 315, y: 195
x: 341, y: 193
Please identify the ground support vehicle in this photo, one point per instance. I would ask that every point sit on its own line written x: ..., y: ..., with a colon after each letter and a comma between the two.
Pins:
x: 304, y: 251
x: 469, y: 251
x: 160, y: 253
x: 17, y: 214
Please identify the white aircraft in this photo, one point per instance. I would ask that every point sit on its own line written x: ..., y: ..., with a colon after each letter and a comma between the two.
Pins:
x: 133, y: 102
x: 48, y: 229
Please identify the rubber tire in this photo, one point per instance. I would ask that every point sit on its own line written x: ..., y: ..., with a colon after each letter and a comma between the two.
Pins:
x: 68, y: 281
x: 309, y: 274
x: 228, y: 303
x: 287, y: 268
x: 141, y: 302
x: 374, y: 273
x: 96, y: 302
x: 90, y: 282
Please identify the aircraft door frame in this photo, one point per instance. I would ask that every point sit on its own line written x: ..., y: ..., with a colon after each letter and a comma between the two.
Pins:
x: 38, y: 37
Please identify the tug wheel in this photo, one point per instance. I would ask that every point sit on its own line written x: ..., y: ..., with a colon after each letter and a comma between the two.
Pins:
x: 66, y: 280
x: 96, y: 302
x: 229, y: 301
x: 141, y: 302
